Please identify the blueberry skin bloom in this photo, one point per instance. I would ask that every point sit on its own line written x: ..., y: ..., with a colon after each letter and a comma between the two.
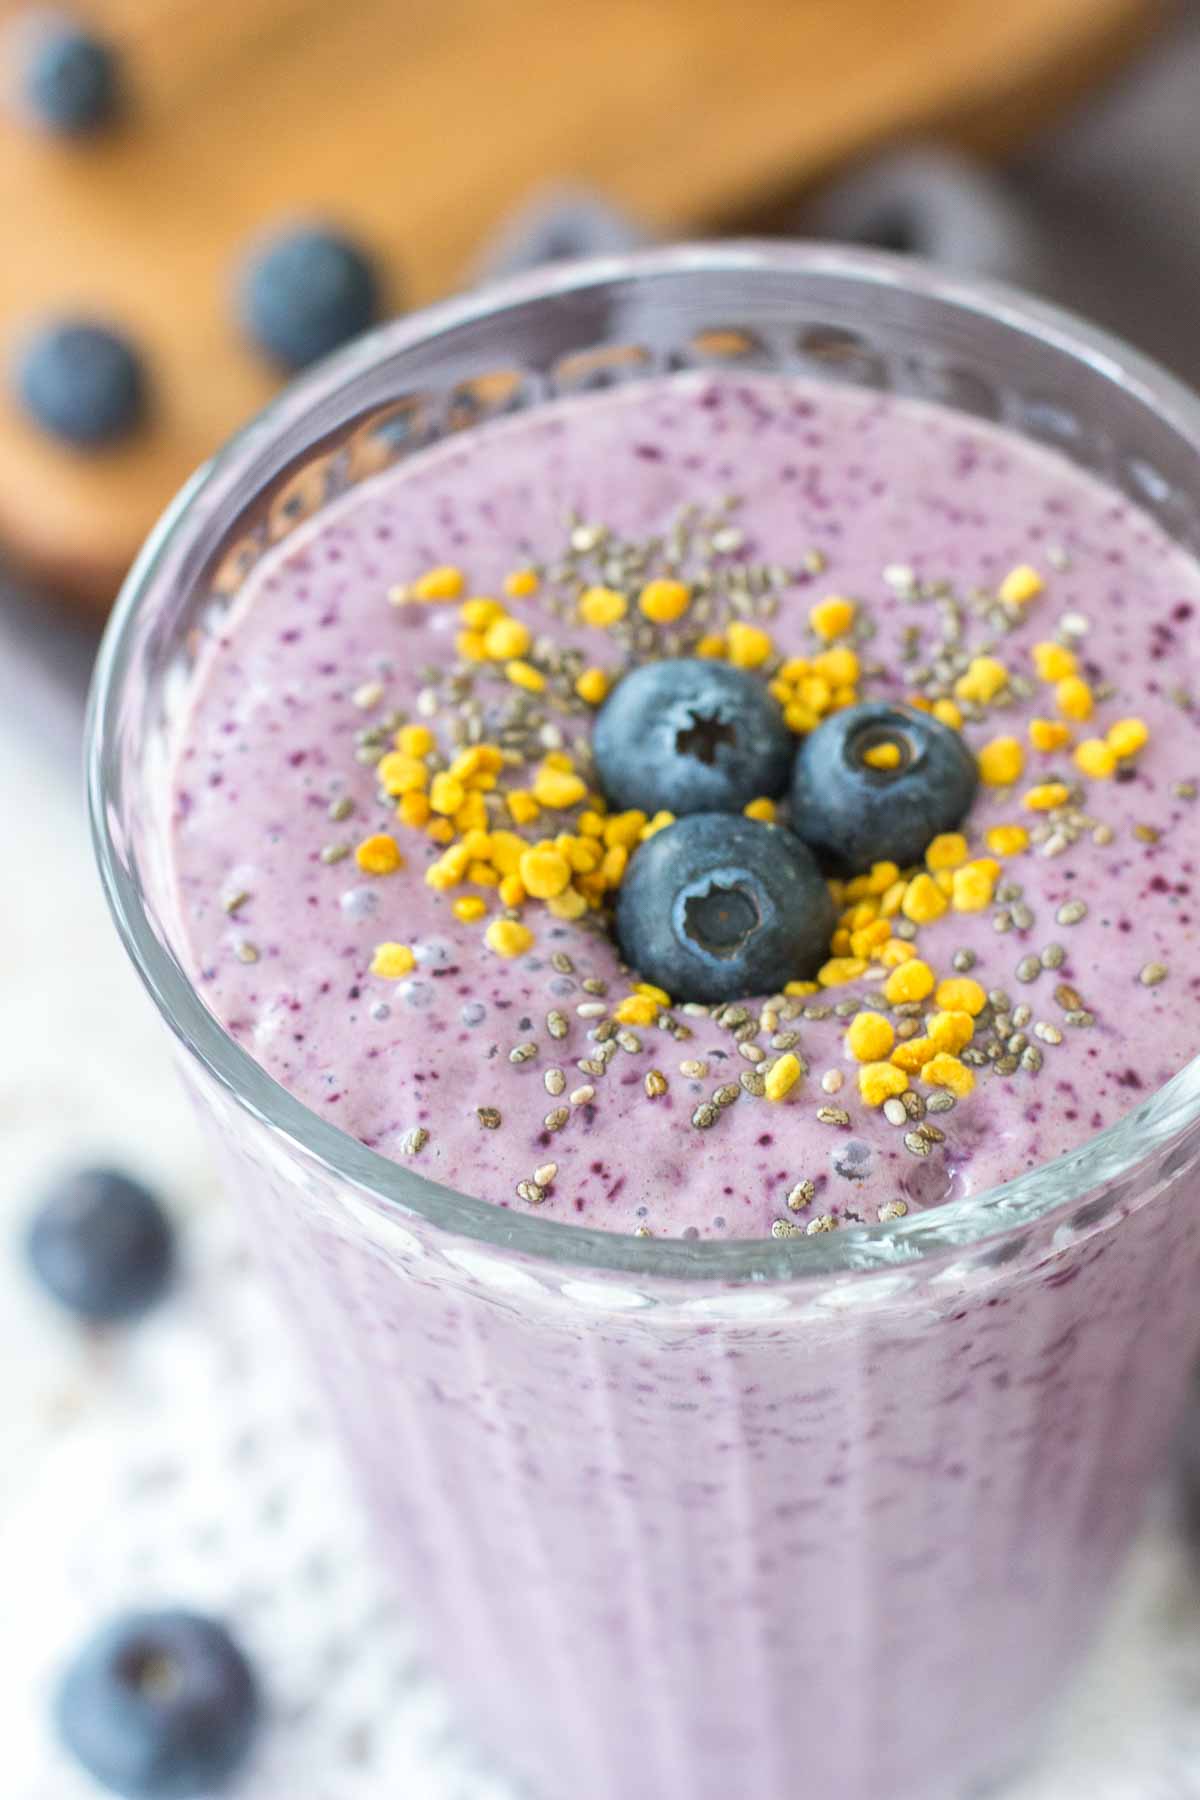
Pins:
x: 306, y: 291
x: 853, y: 814
x: 159, y: 1706
x: 82, y: 382
x: 69, y: 78
x: 719, y: 908
x: 102, y: 1245
x: 690, y: 736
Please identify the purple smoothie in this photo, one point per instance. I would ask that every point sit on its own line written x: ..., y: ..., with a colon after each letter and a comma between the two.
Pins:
x: 876, y: 490
x: 827, y: 1541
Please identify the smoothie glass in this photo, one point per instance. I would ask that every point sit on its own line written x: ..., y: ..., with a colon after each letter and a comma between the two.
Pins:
x: 824, y: 1518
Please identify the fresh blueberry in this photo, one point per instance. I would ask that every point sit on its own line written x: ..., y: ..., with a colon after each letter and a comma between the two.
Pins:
x: 102, y: 1245
x: 305, y: 292
x: 718, y: 907
x: 69, y: 78
x: 689, y: 736
x: 555, y: 226
x: 876, y: 783
x: 82, y: 382
x: 159, y: 1705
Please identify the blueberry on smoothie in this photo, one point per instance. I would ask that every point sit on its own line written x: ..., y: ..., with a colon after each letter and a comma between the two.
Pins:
x: 82, y: 382
x: 69, y: 79
x: 102, y: 1245
x: 306, y: 291
x: 690, y: 736
x: 717, y: 907
x: 159, y: 1705
x: 877, y: 783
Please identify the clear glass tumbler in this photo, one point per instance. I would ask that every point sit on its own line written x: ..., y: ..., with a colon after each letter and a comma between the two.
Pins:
x: 814, y: 1519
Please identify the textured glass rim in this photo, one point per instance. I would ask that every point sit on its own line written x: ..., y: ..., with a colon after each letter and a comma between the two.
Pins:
x: 953, y: 1226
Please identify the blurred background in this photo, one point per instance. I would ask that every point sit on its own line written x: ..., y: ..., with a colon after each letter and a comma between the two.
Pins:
x: 153, y: 155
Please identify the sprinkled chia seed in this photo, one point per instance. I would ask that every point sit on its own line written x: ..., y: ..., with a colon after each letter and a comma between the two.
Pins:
x: 1071, y: 912
x: 1147, y: 834
x: 557, y: 1025
x: 655, y: 1084
x: 530, y: 1192
x: 489, y: 1117
x: 562, y: 963
x: 544, y: 1176
x: 1103, y: 834
x: 555, y: 1081
x: 334, y: 853
x: 591, y: 1009
x: 341, y: 808
x: 1031, y: 1058
x: 832, y: 1081
x: 726, y: 1095
x: 1183, y: 790
x: 1049, y: 1034
x: 918, y: 1145
x: 522, y: 1053
x: 693, y: 1068
x: 751, y: 1082
x: 1028, y: 969
x: 801, y: 1195
x: 1069, y: 998
x: 963, y: 960
x: 629, y: 1041
x: 582, y: 1096
x: 415, y: 1141
x: 1080, y: 1018
x: 784, y: 1228
x: 235, y: 901
x: 706, y: 1115
x: 940, y: 1102
x: 245, y: 951
x: 823, y: 1222
x: 913, y: 1104
x: 368, y: 695
x: 753, y: 1053
x: 893, y: 1111
x: 1053, y: 956
x: 892, y: 1209
x: 833, y: 1115
x: 1152, y: 973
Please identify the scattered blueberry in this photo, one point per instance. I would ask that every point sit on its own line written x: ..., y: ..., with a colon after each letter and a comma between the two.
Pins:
x: 158, y: 1705
x: 102, y: 1245
x: 716, y: 907
x: 852, y: 814
x: 556, y: 226
x: 305, y: 292
x: 69, y: 79
x: 82, y: 382
x: 689, y: 736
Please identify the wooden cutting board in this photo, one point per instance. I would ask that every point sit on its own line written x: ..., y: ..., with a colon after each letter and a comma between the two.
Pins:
x: 417, y: 123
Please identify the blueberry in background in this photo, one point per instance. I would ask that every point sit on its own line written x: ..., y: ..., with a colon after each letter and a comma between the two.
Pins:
x: 159, y: 1706
x: 556, y: 225
x: 68, y: 79
x: 81, y: 382
x: 853, y: 814
x: 304, y: 292
x: 687, y: 736
x: 719, y: 907
x: 102, y: 1245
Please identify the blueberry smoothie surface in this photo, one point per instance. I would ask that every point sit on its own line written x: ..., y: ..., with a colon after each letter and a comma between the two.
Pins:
x: 398, y: 867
